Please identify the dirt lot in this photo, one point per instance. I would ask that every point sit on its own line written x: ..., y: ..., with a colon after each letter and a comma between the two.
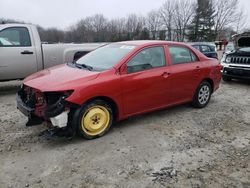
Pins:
x: 176, y: 147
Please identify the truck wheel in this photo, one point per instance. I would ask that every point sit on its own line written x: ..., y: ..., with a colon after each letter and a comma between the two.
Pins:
x: 202, y: 95
x: 95, y: 119
x: 226, y: 78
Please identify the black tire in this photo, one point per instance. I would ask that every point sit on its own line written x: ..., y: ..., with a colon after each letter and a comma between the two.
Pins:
x: 197, y: 101
x: 226, y: 78
x: 82, y: 130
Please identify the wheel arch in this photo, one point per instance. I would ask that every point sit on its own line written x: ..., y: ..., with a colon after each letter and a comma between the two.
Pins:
x: 110, y: 101
x: 210, y: 81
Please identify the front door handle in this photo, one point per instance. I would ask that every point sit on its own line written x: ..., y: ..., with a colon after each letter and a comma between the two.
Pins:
x: 26, y: 52
x: 165, y: 74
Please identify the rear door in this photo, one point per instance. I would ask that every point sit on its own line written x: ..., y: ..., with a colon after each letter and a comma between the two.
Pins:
x: 185, y: 73
x: 17, y: 53
x: 145, y: 84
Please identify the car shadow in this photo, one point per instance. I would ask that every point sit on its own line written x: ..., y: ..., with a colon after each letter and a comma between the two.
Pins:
x: 120, y: 126
x: 152, y: 115
x: 238, y: 81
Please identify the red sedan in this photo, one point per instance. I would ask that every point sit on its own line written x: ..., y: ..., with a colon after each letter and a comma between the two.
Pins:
x: 115, y: 82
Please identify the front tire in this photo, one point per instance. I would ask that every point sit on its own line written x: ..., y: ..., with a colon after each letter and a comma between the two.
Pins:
x: 95, y: 119
x: 202, y: 95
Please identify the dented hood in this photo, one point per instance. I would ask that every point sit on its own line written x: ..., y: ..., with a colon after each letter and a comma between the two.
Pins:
x: 59, y: 78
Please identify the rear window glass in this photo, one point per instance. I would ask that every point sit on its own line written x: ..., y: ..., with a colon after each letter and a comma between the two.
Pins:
x: 181, y: 55
x: 205, y: 48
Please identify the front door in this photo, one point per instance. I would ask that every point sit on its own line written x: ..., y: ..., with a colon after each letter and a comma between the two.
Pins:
x: 145, y: 85
x: 17, y: 54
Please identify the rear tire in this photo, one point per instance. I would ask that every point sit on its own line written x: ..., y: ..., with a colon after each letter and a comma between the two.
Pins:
x: 226, y: 78
x: 94, y: 119
x: 202, y: 95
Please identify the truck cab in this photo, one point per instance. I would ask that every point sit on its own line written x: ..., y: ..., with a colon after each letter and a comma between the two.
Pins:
x: 20, y: 51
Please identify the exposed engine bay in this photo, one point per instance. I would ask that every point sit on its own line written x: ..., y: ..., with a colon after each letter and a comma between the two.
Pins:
x: 48, y: 107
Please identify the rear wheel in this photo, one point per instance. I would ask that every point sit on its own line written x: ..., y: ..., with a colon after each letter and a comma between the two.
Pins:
x: 226, y: 78
x: 202, y: 95
x: 95, y: 119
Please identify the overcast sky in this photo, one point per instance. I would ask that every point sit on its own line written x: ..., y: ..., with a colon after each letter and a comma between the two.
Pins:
x: 63, y: 13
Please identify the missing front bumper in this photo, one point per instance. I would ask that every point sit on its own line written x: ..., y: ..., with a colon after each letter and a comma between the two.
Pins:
x: 27, y: 111
x: 61, y: 120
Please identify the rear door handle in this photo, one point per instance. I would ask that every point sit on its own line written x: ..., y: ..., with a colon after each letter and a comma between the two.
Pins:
x: 26, y: 52
x: 198, y: 68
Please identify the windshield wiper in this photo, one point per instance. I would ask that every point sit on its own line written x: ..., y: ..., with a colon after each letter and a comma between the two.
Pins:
x: 84, y: 66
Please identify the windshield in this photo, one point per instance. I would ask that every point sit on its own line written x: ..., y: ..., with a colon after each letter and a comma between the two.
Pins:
x: 230, y: 47
x: 247, y: 49
x: 105, y: 57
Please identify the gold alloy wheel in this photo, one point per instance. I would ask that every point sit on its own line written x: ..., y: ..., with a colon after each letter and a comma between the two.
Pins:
x: 95, y: 120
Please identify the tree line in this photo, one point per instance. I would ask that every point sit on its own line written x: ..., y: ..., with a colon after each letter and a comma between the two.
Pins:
x: 176, y: 20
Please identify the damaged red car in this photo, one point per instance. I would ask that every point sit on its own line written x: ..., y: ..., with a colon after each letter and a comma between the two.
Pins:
x: 115, y: 82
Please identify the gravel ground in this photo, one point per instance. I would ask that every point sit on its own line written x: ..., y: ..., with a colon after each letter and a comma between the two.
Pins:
x: 176, y: 147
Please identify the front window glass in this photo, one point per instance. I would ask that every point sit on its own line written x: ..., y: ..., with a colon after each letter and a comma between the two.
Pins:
x: 147, y: 59
x: 15, y: 36
x: 105, y: 57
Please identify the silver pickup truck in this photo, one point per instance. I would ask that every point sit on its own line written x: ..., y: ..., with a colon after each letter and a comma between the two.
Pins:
x: 236, y: 61
x: 22, y: 53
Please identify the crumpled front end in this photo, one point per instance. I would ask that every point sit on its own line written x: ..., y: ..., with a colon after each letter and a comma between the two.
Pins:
x: 50, y: 107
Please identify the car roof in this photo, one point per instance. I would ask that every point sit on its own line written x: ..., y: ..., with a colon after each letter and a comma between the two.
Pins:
x: 145, y: 43
x: 149, y: 42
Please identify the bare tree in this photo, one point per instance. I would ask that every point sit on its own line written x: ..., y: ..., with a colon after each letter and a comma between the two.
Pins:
x: 167, y: 12
x: 173, y: 18
x: 153, y: 22
x: 116, y: 29
x: 97, y: 24
x: 134, y: 25
x: 226, y: 14
x: 241, y: 22
x: 183, y: 15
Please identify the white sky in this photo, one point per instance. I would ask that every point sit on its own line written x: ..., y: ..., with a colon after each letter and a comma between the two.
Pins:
x: 63, y: 13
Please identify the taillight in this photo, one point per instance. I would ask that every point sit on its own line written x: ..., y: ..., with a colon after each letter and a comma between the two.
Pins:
x: 220, y: 67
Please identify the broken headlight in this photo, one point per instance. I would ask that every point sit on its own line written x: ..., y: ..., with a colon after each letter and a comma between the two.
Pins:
x: 53, y: 97
x: 56, y: 103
